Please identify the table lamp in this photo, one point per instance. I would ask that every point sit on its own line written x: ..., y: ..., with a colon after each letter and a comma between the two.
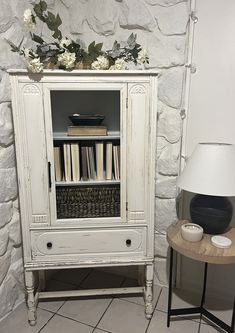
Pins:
x: 210, y: 173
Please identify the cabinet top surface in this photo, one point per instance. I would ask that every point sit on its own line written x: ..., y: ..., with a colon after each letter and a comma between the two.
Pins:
x: 83, y: 72
x: 204, y: 250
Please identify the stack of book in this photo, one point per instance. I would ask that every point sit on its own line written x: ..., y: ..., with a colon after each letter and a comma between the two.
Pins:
x: 86, y: 130
x: 75, y: 162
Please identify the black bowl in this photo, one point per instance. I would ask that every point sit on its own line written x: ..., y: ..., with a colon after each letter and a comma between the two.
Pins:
x: 86, y: 120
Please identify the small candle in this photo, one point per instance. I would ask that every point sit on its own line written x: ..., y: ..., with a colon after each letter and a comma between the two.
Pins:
x: 191, y: 232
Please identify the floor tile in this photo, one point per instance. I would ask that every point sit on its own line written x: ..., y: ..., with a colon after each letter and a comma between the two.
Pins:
x: 179, y: 325
x: 51, y: 305
x: 180, y: 299
x: 97, y: 330
x: 71, y: 276
x: 87, y: 311
x: 124, y: 317
x: 210, y: 329
x: 17, y: 321
x: 100, y: 279
x: 140, y: 299
x: 61, y: 324
x: 220, y: 308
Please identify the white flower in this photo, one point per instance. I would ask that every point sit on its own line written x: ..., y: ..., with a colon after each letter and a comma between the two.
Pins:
x: 65, y: 42
x: 142, y: 56
x: 34, y: 65
x: 67, y: 59
x: 119, y: 64
x: 28, y: 19
x: 96, y: 65
x: 100, y: 63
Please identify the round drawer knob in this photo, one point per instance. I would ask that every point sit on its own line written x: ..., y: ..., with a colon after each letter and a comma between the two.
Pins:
x: 128, y: 242
x: 49, y: 245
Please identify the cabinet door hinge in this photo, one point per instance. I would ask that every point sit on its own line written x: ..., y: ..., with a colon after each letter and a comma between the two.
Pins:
x: 127, y: 102
x: 126, y: 206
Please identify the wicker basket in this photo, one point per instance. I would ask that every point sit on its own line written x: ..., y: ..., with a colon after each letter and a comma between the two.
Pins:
x: 92, y: 201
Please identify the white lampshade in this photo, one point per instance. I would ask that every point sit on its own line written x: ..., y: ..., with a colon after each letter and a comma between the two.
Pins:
x: 210, y: 170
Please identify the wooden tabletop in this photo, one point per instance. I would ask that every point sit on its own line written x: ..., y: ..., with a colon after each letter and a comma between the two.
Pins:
x: 203, y: 250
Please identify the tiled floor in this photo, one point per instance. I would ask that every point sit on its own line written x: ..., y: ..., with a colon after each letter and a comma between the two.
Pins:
x: 115, y: 315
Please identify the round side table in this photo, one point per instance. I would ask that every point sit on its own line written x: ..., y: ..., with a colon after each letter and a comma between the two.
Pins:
x: 205, y: 252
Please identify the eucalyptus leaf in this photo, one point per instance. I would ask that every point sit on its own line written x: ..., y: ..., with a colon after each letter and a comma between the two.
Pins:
x: 45, y: 48
x: 115, y: 53
x: 116, y: 46
x: 131, y: 41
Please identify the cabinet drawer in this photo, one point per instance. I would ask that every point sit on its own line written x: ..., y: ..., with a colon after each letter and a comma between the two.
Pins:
x: 89, y: 242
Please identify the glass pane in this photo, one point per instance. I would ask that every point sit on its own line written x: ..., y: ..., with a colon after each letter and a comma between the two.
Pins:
x: 86, y: 153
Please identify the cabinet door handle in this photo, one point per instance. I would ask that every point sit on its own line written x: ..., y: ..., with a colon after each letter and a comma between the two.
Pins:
x: 128, y: 242
x: 49, y: 175
x: 49, y: 245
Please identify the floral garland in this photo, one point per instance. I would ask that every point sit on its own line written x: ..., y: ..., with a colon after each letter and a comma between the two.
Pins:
x: 65, y: 53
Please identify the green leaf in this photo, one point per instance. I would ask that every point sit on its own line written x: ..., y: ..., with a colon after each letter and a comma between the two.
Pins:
x: 91, y: 47
x: 94, y: 50
x: 39, y: 12
x: 98, y: 47
x: 37, y: 39
x: 58, y: 20
x: 15, y: 48
x: 37, y: 9
x: 57, y: 34
x: 43, y: 5
x: 51, y: 21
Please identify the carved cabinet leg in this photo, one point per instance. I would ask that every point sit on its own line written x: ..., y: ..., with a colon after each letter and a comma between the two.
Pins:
x: 29, y: 282
x: 149, y: 291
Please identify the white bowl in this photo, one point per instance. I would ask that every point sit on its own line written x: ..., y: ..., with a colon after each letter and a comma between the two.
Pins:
x: 191, y: 232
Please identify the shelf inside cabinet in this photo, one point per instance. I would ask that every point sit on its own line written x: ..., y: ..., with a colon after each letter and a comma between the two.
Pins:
x: 62, y: 136
x: 88, y: 182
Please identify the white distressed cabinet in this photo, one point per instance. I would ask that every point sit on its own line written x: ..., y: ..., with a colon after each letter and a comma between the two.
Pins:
x: 54, y: 235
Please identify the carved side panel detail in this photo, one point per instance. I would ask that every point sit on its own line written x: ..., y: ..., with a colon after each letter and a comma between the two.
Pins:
x: 31, y: 89
x: 138, y: 89
x: 39, y: 219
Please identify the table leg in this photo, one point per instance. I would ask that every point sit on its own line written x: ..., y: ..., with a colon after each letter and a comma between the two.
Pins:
x: 170, y: 287
x: 204, y: 285
x: 233, y: 316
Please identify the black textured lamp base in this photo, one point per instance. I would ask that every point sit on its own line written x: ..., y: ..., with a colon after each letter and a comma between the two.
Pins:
x: 212, y: 213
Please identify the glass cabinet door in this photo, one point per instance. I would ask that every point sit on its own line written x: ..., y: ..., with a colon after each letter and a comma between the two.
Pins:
x: 87, y: 169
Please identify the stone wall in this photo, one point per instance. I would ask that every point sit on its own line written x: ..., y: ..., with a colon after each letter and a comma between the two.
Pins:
x: 161, y: 27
